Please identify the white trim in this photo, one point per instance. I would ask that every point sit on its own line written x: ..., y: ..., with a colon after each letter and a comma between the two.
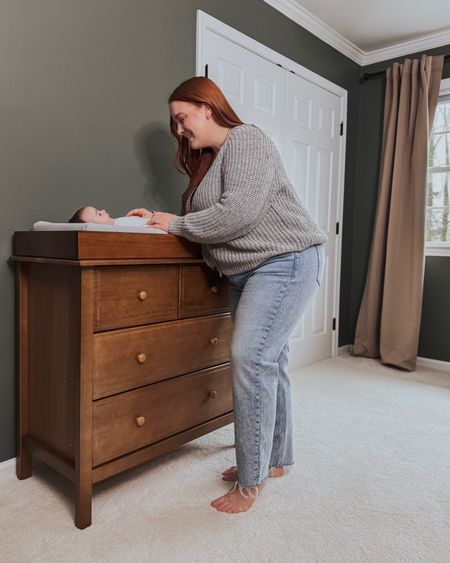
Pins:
x: 435, y: 248
x: 433, y: 364
x: 438, y: 365
x: 205, y: 23
x: 319, y: 28
x: 297, y: 13
x: 421, y: 43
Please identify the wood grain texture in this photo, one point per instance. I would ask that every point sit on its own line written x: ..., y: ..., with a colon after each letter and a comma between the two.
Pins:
x: 166, y: 408
x: 171, y: 349
x: 162, y: 447
x: 61, y: 464
x: 83, y: 395
x: 135, y: 245
x: 81, y: 245
x: 119, y: 301
x: 105, y: 262
x: 202, y: 291
x: 23, y: 459
x: 53, y: 355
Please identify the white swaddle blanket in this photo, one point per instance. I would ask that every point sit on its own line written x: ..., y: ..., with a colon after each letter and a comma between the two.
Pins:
x: 121, y: 225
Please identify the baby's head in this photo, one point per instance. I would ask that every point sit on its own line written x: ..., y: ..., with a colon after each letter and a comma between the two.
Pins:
x: 91, y: 215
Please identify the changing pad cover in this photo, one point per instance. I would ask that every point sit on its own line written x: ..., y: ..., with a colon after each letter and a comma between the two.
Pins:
x: 49, y: 226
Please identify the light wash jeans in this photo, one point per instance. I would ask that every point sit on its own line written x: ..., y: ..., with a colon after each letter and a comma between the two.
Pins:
x: 266, y: 304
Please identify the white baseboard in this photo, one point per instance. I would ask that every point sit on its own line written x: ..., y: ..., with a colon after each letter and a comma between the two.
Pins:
x: 433, y: 364
x: 421, y: 362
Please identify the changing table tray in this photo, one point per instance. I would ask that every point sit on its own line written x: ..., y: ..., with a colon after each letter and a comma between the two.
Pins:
x: 93, y: 245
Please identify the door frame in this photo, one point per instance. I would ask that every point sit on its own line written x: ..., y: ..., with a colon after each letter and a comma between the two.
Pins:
x: 205, y: 23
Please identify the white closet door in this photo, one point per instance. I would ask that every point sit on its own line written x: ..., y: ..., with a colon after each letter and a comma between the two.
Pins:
x: 302, y: 120
x: 311, y: 158
x: 254, y: 87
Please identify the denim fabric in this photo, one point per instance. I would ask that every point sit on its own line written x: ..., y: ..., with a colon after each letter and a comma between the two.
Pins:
x: 266, y: 304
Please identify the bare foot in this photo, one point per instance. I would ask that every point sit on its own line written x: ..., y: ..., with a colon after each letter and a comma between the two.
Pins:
x: 234, y: 501
x: 231, y: 473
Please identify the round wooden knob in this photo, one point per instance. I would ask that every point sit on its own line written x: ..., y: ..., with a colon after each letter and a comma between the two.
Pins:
x: 140, y: 420
x: 214, y: 289
x: 142, y: 295
x: 141, y: 358
x: 213, y: 394
x: 214, y: 340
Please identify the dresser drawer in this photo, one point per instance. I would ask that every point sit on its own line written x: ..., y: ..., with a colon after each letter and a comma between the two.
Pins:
x: 135, y: 296
x: 131, y: 358
x: 202, y: 291
x: 127, y: 422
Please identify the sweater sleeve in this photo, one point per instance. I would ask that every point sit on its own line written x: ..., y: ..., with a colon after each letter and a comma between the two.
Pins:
x: 247, y: 177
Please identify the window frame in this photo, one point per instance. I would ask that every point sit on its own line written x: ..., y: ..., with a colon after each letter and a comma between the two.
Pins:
x: 439, y: 248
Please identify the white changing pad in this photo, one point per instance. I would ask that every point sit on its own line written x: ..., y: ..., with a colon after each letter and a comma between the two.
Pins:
x: 48, y: 226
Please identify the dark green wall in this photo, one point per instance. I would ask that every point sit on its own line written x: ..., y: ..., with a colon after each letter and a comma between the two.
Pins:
x: 434, y: 340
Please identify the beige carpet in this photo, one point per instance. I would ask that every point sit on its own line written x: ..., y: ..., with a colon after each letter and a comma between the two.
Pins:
x: 371, y: 484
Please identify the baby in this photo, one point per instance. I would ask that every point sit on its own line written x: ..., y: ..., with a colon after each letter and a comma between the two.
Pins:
x: 93, y: 215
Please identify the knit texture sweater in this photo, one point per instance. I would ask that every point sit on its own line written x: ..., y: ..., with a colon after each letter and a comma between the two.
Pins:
x: 245, y: 210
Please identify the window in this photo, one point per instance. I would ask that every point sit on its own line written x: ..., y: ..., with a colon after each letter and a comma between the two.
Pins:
x: 438, y: 183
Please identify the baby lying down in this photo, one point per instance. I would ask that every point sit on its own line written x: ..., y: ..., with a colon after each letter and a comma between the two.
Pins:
x: 101, y: 217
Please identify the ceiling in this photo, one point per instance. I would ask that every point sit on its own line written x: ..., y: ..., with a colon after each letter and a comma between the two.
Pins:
x: 368, y: 31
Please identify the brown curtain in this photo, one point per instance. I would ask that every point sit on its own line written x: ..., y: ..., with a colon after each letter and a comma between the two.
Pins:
x: 388, y: 323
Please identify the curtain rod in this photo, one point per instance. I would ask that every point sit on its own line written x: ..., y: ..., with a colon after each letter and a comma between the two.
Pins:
x: 368, y: 75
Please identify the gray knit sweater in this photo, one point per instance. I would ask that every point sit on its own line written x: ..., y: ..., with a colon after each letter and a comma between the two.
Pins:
x: 245, y: 209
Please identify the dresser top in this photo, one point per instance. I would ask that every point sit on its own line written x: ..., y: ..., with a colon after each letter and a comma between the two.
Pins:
x: 81, y: 246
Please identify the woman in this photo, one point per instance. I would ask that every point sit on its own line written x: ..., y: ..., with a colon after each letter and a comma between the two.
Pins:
x: 242, y: 208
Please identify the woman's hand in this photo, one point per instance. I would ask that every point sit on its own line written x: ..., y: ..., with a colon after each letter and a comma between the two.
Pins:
x: 160, y: 220
x: 141, y: 212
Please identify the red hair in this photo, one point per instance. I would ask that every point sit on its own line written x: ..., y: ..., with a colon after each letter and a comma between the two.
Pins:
x: 196, y: 162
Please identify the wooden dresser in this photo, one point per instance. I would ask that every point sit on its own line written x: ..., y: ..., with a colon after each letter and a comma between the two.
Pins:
x: 123, y: 352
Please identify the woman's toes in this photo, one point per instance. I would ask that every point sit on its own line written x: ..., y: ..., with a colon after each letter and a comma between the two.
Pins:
x: 229, y: 470
x: 276, y: 472
x: 230, y: 474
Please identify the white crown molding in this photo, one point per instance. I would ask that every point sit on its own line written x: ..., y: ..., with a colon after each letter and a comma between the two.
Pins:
x: 317, y: 27
x: 422, y: 43
x: 293, y: 10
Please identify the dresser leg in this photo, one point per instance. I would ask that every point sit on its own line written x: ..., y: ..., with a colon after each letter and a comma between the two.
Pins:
x: 23, y: 460
x: 23, y: 464
x: 83, y: 505
x: 84, y: 393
